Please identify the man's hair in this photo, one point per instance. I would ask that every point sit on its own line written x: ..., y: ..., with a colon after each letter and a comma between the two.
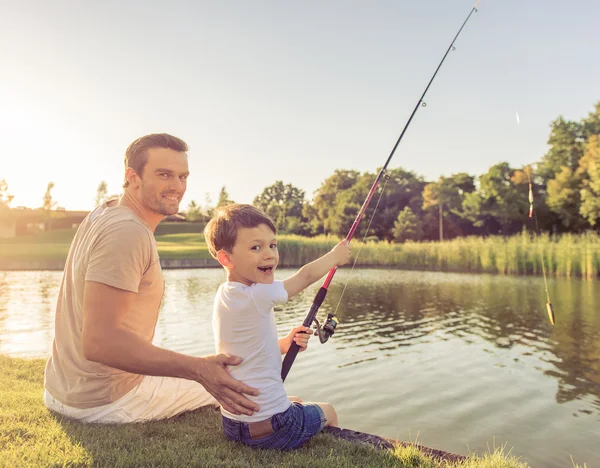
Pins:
x: 136, y: 155
x: 221, y: 231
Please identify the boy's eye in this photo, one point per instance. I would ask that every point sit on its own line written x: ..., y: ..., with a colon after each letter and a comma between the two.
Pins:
x: 273, y: 246
x: 256, y: 247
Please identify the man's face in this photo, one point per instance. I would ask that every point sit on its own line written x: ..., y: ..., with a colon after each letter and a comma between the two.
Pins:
x: 164, y: 180
x: 255, y: 256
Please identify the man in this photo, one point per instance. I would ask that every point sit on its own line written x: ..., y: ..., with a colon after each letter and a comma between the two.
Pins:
x: 104, y: 367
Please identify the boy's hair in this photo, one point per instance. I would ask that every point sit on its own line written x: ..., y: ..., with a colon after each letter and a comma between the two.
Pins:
x: 221, y: 231
x: 136, y: 155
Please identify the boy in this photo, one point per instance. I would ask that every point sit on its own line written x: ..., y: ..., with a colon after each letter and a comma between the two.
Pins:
x: 242, y: 239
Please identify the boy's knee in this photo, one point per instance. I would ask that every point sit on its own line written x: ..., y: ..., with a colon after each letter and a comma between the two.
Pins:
x: 295, y: 399
x: 330, y: 414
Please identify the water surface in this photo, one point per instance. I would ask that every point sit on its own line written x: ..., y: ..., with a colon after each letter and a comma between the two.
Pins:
x: 457, y: 362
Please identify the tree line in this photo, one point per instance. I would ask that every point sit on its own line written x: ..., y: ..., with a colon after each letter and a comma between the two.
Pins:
x: 565, y: 183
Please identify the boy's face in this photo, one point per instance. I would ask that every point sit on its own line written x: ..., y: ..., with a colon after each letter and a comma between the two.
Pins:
x: 254, y: 256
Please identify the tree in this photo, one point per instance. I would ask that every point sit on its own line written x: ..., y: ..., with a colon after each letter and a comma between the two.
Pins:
x: 590, y: 171
x: 564, y: 198
x: 101, y: 193
x: 407, y: 226
x: 284, y: 203
x: 48, y: 205
x: 5, y: 200
x: 325, y: 196
x: 5, y: 197
x: 500, y: 204
x: 400, y: 189
x: 223, y: 198
x: 448, y: 193
x: 567, y: 142
x: 194, y: 212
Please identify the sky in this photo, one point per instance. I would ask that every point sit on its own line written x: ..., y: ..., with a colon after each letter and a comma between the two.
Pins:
x: 273, y: 90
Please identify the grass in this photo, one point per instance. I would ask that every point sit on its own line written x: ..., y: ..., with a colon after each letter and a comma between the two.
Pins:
x: 568, y: 255
x: 30, y: 435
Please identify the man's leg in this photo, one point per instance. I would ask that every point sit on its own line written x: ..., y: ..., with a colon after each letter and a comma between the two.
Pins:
x: 154, y: 398
x: 165, y: 397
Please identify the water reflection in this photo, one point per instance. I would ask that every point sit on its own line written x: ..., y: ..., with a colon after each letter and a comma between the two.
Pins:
x: 460, y: 358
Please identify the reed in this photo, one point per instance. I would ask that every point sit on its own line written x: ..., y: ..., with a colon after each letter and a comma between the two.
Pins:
x: 569, y: 255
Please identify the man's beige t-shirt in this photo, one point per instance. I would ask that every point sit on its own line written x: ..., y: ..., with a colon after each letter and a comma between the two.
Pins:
x: 115, y: 247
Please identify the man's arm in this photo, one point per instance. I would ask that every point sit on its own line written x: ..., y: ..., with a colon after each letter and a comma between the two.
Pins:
x: 106, y: 341
x: 308, y: 274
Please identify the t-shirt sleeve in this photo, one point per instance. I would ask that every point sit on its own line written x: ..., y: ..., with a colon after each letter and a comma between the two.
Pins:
x: 267, y: 295
x: 121, y: 256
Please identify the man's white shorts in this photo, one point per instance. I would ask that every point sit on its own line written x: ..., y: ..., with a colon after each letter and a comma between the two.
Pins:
x: 154, y: 398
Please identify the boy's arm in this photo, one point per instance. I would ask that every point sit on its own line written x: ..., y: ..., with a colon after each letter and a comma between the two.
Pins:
x: 308, y: 274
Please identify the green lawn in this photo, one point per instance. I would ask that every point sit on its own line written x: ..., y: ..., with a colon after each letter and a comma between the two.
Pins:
x: 30, y: 435
x: 54, y: 245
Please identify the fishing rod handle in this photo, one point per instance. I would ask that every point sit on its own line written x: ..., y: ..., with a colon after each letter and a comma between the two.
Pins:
x: 290, y: 356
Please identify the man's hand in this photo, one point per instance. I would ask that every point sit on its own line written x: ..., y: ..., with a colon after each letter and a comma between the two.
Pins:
x: 299, y: 335
x: 213, y: 376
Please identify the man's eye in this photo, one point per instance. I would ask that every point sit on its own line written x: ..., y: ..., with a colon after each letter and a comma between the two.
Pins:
x: 163, y: 175
x: 183, y: 177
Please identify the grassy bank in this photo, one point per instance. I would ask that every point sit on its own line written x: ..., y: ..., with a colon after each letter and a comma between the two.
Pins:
x: 32, y: 436
x: 567, y: 256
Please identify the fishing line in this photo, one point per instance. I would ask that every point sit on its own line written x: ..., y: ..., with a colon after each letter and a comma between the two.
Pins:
x: 386, y: 178
x: 549, y: 307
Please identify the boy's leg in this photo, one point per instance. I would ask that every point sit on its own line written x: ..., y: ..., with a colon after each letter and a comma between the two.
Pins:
x: 330, y: 414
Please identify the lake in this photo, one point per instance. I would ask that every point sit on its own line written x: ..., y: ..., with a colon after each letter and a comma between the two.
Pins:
x: 453, y: 361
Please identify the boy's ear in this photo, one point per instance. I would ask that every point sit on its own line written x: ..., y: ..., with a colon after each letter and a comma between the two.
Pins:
x: 223, y: 258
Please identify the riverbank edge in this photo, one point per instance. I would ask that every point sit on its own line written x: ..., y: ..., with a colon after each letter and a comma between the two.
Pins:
x: 191, y: 263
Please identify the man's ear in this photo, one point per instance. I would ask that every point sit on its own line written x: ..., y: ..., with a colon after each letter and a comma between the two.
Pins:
x: 223, y: 258
x: 132, y: 177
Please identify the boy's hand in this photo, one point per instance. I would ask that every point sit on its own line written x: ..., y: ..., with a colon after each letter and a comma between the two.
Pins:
x: 299, y: 335
x: 341, y: 253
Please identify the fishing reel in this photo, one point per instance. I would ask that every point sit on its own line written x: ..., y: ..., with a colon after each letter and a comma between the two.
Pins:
x: 327, y: 329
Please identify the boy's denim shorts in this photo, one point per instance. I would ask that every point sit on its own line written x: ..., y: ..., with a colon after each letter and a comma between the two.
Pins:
x: 283, y: 431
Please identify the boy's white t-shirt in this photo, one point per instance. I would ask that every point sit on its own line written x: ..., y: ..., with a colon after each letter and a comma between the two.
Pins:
x: 244, y: 326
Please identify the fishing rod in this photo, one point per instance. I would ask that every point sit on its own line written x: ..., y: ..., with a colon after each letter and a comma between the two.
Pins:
x: 331, y: 322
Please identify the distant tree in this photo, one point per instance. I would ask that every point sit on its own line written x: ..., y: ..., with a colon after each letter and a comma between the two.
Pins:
x: 402, y: 188
x: 590, y: 172
x: 564, y: 198
x: 101, y: 193
x: 194, y: 212
x: 448, y: 194
x: 591, y: 124
x: 325, y: 197
x: 223, y: 198
x: 284, y: 203
x: 407, y: 226
x: 5, y: 197
x: 566, y: 148
x: 48, y: 205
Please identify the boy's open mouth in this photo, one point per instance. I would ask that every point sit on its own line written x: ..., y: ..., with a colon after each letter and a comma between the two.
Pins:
x: 266, y: 269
